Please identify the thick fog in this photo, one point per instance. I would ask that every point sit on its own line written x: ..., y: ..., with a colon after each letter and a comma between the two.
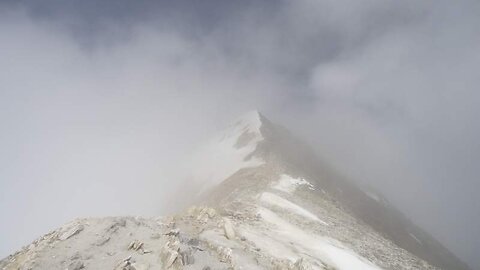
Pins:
x: 101, y: 102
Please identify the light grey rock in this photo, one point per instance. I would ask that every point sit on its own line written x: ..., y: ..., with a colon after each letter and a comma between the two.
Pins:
x: 187, y: 256
x: 170, y: 258
x: 76, y: 256
x: 211, y: 212
x: 76, y: 265
x: 115, y: 225
x: 173, y: 232
x: 225, y: 254
x: 71, y: 232
x: 126, y: 264
x: 301, y: 264
x: 102, y: 241
x: 135, y: 245
x: 228, y: 229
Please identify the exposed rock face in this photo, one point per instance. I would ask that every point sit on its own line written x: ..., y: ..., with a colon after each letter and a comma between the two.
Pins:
x: 76, y: 265
x: 69, y: 232
x: 274, y: 207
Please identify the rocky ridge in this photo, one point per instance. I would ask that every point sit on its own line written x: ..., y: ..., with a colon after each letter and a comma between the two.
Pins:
x: 272, y: 206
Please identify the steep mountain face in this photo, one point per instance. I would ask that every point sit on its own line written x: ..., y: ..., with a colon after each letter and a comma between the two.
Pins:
x: 284, y: 157
x: 265, y: 202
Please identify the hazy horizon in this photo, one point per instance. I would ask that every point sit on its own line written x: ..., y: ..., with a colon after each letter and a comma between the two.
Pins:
x: 104, y: 100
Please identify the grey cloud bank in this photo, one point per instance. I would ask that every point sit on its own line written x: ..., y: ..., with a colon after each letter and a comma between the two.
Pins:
x: 100, y: 102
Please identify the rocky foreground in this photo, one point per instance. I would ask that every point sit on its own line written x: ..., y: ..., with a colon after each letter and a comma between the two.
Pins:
x: 266, y: 231
x: 200, y: 239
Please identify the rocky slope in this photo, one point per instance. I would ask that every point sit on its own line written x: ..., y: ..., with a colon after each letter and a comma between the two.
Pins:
x: 265, y: 202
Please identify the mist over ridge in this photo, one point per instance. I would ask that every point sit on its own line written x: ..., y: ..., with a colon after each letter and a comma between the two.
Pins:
x: 102, y: 102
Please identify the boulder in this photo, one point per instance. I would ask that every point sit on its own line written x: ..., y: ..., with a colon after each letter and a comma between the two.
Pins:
x: 228, y: 229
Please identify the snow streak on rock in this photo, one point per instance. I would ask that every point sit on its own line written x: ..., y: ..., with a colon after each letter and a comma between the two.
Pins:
x: 288, y: 184
x: 278, y: 201
x: 323, y: 250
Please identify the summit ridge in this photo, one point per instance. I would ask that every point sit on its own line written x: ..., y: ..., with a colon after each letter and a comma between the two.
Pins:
x: 263, y: 200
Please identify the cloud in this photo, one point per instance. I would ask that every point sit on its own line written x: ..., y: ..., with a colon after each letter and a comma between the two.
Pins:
x: 89, y: 131
x: 403, y: 104
x: 98, y: 104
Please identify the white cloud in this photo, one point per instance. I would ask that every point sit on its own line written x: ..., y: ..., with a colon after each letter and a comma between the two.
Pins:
x: 386, y: 90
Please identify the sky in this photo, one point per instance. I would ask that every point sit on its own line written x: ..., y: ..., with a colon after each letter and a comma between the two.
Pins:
x: 100, y: 101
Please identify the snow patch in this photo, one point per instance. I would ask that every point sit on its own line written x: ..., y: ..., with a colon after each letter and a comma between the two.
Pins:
x: 250, y: 121
x: 324, y: 249
x: 288, y: 184
x: 275, y: 200
x: 416, y: 238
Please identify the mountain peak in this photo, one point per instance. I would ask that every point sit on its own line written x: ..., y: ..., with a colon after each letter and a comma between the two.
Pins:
x: 233, y: 149
x: 262, y: 162
x: 270, y: 205
x: 251, y: 121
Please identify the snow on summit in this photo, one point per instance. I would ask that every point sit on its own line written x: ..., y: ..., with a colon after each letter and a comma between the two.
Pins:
x: 228, y: 152
x: 250, y: 121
